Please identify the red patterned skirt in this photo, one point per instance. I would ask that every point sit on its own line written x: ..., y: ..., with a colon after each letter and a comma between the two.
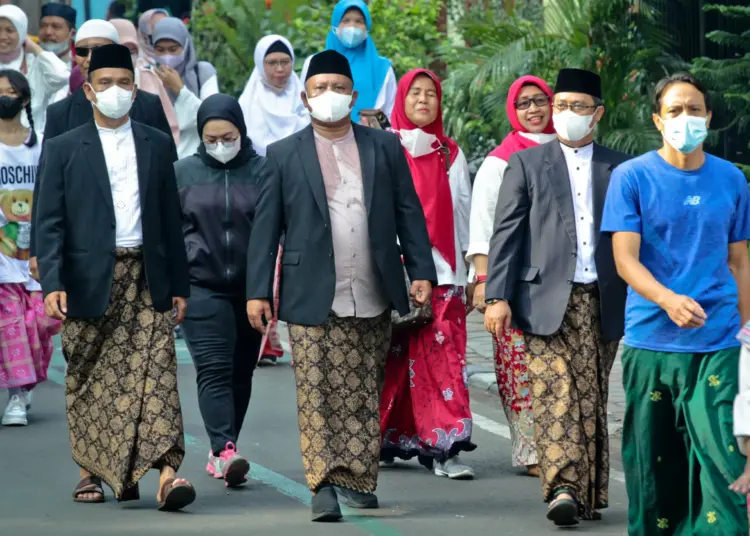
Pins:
x: 424, y: 407
x: 271, y: 342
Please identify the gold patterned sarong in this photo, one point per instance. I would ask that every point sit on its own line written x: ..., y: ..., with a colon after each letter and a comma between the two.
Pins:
x: 569, y: 376
x: 123, y: 409
x: 339, y: 368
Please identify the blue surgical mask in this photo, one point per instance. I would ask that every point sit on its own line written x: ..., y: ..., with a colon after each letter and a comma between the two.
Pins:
x: 686, y: 132
x: 351, y: 37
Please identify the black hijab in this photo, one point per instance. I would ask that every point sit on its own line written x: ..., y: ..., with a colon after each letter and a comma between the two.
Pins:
x: 220, y: 106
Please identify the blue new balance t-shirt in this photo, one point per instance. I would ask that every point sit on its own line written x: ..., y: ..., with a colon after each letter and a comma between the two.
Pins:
x: 686, y: 220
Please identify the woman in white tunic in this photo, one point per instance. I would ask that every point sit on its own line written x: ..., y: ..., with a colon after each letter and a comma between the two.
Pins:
x: 374, y: 78
x: 188, y: 81
x: 47, y: 74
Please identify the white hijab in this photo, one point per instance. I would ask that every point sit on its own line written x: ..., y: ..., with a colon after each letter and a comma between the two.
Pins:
x: 20, y: 22
x: 270, y: 114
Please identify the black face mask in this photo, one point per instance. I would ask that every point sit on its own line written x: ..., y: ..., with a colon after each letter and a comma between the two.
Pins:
x: 10, y: 107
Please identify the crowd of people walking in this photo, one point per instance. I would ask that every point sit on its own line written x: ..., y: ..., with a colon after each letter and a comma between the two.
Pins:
x: 136, y: 197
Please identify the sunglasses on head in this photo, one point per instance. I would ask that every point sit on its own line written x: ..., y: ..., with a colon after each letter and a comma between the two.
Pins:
x: 85, y: 51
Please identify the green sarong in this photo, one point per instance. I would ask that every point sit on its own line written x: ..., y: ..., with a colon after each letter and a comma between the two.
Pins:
x: 678, y: 445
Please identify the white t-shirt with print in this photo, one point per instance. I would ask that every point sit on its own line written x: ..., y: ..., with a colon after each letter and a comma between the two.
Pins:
x: 19, y: 166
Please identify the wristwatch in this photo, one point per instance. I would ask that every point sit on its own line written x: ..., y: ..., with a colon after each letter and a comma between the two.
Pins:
x: 493, y: 302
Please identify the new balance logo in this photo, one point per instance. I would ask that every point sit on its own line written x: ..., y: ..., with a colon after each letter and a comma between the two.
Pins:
x: 693, y: 200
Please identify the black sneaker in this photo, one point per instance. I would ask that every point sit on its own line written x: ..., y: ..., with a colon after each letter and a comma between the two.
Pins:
x: 325, y: 505
x: 356, y: 499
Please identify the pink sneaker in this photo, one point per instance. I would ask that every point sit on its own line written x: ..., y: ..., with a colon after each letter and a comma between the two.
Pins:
x: 229, y: 465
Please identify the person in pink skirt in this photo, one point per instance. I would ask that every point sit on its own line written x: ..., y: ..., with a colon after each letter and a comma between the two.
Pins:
x: 25, y: 330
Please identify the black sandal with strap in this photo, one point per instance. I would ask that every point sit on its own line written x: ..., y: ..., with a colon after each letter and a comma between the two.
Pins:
x: 89, y: 484
x: 175, y: 496
x: 563, y: 512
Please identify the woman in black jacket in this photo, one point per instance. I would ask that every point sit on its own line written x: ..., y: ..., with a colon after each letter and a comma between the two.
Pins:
x: 219, y: 188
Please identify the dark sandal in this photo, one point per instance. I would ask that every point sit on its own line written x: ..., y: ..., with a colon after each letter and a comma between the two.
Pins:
x: 176, y: 496
x: 89, y: 484
x: 563, y: 512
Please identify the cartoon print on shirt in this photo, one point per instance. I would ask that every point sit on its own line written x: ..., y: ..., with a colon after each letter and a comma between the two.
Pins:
x: 15, y: 233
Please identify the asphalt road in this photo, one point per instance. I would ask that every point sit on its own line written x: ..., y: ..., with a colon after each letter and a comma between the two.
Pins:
x: 37, y: 477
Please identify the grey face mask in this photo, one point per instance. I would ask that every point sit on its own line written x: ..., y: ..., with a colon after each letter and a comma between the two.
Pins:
x: 55, y: 48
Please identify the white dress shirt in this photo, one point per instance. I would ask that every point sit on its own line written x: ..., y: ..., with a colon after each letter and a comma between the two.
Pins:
x: 186, y: 109
x: 122, y: 166
x: 579, y: 171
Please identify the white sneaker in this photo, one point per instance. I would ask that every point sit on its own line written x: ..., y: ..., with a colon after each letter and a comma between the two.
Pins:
x: 24, y: 394
x: 454, y: 469
x: 15, y: 412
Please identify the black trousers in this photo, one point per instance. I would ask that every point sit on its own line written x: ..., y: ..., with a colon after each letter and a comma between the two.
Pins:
x: 224, y: 348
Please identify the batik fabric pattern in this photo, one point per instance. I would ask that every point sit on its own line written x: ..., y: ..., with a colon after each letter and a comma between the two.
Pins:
x: 569, y: 374
x: 338, y: 367
x: 26, y: 333
x: 121, y: 397
x: 678, y: 446
x: 515, y: 393
x: 425, y: 404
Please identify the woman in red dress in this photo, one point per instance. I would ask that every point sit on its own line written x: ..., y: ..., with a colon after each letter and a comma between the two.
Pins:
x: 425, y: 402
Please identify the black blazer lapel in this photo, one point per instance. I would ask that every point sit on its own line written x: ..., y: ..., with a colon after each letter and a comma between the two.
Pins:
x: 143, y: 159
x: 556, y: 174
x: 366, y: 149
x: 309, y: 161
x: 93, y: 153
x: 601, y: 170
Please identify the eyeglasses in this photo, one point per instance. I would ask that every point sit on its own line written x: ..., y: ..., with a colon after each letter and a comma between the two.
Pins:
x: 278, y: 63
x: 524, y: 104
x: 577, y: 107
x: 85, y: 51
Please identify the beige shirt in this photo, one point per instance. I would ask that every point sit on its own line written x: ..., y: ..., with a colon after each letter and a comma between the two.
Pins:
x: 359, y: 292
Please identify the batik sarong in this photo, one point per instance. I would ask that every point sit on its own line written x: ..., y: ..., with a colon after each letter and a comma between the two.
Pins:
x: 424, y: 410
x: 26, y: 333
x: 513, y: 383
x: 121, y: 398
x: 337, y: 369
x: 271, y: 342
x: 678, y: 446
x: 569, y: 374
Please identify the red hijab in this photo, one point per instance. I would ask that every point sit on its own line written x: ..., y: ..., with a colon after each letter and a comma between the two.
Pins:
x: 429, y: 172
x: 514, y: 141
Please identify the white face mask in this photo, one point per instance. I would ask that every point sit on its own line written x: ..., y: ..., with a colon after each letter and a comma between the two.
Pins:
x: 686, y: 132
x: 418, y: 142
x: 571, y: 126
x: 330, y: 107
x: 114, y: 102
x: 55, y: 48
x: 224, y: 151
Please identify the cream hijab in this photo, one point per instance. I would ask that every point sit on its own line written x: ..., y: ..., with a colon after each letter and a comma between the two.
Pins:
x: 272, y: 114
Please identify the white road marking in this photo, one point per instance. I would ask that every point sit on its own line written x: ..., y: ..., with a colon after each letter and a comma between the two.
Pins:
x: 502, y: 430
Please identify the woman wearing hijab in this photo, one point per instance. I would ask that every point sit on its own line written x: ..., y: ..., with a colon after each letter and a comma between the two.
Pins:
x: 530, y: 112
x: 424, y: 407
x: 145, y: 78
x: 47, y: 74
x: 374, y: 79
x: 146, y: 24
x: 188, y: 81
x: 273, y: 110
x: 219, y: 188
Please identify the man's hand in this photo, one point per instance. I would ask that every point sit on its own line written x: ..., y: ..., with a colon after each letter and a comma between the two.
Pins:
x: 30, y: 46
x: 34, y: 268
x: 170, y: 78
x: 256, y: 311
x: 478, y: 301
x: 497, y: 318
x: 179, y: 306
x: 420, y: 291
x: 684, y: 311
x: 56, y: 305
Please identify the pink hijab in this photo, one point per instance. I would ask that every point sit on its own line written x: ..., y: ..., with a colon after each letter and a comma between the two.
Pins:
x: 148, y: 81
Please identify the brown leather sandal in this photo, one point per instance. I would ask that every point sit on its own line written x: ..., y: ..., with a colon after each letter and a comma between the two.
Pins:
x: 175, y: 496
x: 89, y: 484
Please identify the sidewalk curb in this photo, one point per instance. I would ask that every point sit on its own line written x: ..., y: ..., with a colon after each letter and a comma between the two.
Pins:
x: 482, y: 377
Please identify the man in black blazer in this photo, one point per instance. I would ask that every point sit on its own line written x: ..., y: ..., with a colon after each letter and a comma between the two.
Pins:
x: 113, y: 267
x: 552, y: 270
x: 342, y: 195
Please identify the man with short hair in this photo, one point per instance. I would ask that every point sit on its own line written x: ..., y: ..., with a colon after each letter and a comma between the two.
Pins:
x: 354, y: 201
x: 113, y: 267
x: 553, y: 274
x: 680, y: 221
